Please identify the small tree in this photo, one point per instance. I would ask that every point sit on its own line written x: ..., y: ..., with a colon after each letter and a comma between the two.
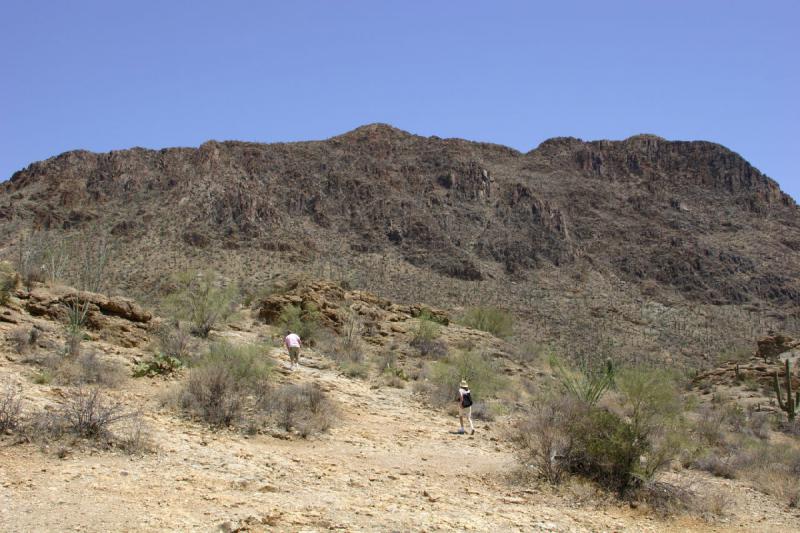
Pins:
x: 203, y: 300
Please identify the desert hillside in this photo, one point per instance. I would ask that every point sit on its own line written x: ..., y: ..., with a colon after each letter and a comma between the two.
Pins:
x: 379, y: 452
x: 663, y: 243
x: 626, y: 315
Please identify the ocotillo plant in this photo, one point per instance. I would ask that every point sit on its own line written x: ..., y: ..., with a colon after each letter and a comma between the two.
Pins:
x: 791, y: 404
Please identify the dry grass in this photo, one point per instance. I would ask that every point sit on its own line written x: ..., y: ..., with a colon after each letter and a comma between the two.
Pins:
x: 89, y: 368
x: 21, y: 339
x: 305, y: 409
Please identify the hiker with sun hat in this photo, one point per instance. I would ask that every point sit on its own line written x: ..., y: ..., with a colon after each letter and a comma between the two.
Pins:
x: 465, y: 405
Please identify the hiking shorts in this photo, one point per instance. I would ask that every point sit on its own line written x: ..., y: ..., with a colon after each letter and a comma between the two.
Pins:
x: 294, y: 354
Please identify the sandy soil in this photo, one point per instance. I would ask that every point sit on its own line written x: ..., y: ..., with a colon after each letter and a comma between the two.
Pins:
x: 388, y: 465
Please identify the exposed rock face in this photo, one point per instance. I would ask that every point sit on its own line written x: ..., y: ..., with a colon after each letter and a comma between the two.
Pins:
x: 334, y: 306
x: 115, y: 318
x: 774, y: 345
x: 689, y: 216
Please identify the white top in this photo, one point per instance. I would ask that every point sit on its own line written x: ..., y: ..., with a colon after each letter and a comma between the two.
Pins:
x: 292, y: 341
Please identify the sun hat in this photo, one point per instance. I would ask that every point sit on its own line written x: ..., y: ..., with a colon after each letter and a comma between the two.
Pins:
x: 464, y: 384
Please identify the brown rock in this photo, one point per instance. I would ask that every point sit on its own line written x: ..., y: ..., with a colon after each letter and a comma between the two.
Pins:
x: 772, y: 346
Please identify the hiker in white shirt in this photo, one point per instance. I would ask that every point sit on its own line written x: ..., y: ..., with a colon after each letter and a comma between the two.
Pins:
x: 292, y: 343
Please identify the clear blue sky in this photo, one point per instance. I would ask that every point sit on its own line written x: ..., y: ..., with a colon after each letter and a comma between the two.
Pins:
x: 104, y: 75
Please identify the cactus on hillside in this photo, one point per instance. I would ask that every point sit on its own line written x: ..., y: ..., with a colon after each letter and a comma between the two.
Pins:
x: 791, y: 404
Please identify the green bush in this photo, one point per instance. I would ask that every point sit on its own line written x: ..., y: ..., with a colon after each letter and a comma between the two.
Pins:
x: 158, y: 365
x: 646, y: 435
x: 426, y: 337
x: 619, y: 448
x: 203, y: 300
x: 490, y: 319
x: 247, y: 363
x: 586, y: 385
x: 354, y: 369
x: 304, y: 321
x: 480, y: 373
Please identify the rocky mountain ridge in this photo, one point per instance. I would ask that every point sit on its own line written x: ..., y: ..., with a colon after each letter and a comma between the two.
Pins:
x: 691, y: 217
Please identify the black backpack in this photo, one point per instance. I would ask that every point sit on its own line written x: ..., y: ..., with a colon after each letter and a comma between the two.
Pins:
x: 466, y: 399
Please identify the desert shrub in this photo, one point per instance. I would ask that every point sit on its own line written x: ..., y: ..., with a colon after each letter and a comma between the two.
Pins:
x: 222, y: 381
x: 87, y: 369
x: 354, y: 369
x: 715, y: 465
x: 30, y: 259
x: 531, y: 352
x: 44, y: 425
x: 587, y: 384
x: 22, y: 339
x: 490, y: 319
x: 544, y: 439
x: 203, y: 300
x: 426, y: 337
x: 304, y: 321
x: 88, y: 414
x: 303, y: 408
x: 608, y: 450
x: 43, y: 376
x: 173, y: 349
x: 652, y: 407
x: 247, y: 363
x: 158, y: 364
x: 133, y: 437
x: 212, y: 394
x: 174, y: 341
x: 8, y: 282
x: 482, y: 410
x: 667, y: 499
x: 619, y: 449
x: 88, y: 256
x: 389, y: 371
x: 10, y: 409
x: 447, y: 373
x: 347, y: 349
x: 74, y: 328
x: 773, y: 468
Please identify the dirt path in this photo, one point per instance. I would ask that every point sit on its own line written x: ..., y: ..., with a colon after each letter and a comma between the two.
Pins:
x: 388, y: 465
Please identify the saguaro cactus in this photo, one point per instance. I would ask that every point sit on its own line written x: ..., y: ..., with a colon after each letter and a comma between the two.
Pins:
x: 791, y: 404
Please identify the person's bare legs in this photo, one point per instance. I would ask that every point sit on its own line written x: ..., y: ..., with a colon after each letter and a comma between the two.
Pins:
x: 469, y: 417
